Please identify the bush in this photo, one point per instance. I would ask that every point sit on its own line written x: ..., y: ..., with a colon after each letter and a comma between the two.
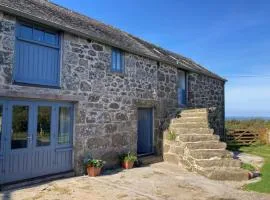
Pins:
x: 128, y: 157
x: 171, y: 135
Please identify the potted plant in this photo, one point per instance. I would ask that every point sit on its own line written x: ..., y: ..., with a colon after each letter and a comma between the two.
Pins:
x: 93, y: 166
x: 127, y: 160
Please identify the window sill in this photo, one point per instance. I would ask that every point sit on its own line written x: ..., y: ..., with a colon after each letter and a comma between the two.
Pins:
x: 121, y: 74
x: 36, y: 85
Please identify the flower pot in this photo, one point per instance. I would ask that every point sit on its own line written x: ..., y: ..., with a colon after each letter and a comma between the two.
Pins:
x: 93, y: 171
x: 127, y: 164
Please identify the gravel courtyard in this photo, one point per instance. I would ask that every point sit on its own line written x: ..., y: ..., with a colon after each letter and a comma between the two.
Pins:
x: 158, y: 181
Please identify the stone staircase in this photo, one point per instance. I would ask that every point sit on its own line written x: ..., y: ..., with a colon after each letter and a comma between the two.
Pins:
x: 197, y: 148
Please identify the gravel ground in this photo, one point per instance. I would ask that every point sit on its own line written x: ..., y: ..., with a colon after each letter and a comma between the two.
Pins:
x: 157, y: 181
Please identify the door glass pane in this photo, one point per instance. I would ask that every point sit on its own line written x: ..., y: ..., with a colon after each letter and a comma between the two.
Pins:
x: 64, y: 131
x: 19, y: 127
x: 1, y: 122
x: 44, y: 126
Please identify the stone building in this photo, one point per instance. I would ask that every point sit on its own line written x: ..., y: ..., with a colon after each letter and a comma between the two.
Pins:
x: 70, y: 85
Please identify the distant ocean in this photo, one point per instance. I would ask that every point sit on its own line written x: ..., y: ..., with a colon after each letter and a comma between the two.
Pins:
x: 245, y: 118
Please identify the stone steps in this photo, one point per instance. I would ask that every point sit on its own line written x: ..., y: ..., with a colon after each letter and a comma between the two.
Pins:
x: 190, y: 131
x: 197, y: 137
x: 225, y: 174
x: 196, y: 110
x: 193, y: 114
x: 206, y: 145
x: 197, y: 148
x: 189, y: 125
x: 189, y: 119
x: 225, y: 162
x: 210, y: 154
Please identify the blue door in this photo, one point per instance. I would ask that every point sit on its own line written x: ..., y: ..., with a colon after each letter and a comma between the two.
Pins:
x: 145, y: 131
x: 36, y: 139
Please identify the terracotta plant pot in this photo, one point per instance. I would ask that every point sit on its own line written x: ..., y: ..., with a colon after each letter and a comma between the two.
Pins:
x: 127, y: 164
x: 93, y: 171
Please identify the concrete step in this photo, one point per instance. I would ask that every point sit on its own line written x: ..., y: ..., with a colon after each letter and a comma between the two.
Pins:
x: 210, y: 154
x: 225, y: 174
x: 196, y: 137
x: 201, y: 115
x: 190, y: 125
x: 195, y: 110
x: 171, y: 158
x: 225, y: 162
x: 189, y: 119
x: 147, y: 160
x: 206, y: 145
x: 180, y: 131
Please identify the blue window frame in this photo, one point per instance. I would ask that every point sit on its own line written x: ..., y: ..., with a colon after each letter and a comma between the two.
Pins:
x: 37, y: 56
x: 117, y: 61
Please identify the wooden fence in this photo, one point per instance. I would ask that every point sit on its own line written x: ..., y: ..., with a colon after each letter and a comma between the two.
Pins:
x: 242, y: 137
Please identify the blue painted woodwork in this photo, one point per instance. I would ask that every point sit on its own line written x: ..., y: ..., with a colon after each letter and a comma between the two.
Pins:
x: 182, y: 96
x: 117, y: 61
x: 37, y: 56
x: 145, y: 131
x: 34, y: 160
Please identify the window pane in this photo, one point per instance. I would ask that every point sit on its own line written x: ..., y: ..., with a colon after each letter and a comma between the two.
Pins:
x: 118, y: 62
x: 50, y: 38
x: 44, y: 126
x: 1, y: 122
x: 38, y: 35
x: 64, y: 132
x: 117, y: 65
x: 26, y: 32
x: 19, y: 127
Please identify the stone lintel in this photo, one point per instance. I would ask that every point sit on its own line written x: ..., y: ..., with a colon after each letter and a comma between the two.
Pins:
x: 40, y: 96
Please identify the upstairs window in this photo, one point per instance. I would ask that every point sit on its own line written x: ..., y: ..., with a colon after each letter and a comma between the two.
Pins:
x: 117, y: 61
x: 37, y: 56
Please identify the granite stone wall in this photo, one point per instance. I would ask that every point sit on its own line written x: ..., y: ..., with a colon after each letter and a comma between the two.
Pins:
x: 106, y: 112
x: 207, y: 92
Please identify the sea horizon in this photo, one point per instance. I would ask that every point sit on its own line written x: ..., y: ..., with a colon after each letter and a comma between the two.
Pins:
x: 246, y: 117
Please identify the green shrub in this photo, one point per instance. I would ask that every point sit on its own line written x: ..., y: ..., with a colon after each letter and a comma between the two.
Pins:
x: 95, y: 163
x: 171, y: 135
x: 88, y: 161
x: 128, y: 157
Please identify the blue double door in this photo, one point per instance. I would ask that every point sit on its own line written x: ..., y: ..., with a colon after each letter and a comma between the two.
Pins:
x: 36, y: 139
x: 145, y: 131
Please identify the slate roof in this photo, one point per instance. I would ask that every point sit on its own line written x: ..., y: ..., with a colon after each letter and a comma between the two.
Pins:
x: 45, y: 12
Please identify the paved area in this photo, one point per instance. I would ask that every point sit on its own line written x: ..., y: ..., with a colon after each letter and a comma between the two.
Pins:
x: 158, y: 181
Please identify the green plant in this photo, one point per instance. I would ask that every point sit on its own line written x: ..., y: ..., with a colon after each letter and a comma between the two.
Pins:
x: 95, y: 163
x: 248, y: 167
x: 88, y: 161
x: 171, y: 135
x: 128, y: 157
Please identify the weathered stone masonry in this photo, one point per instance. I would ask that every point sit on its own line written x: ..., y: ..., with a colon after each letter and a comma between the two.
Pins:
x: 106, y: 114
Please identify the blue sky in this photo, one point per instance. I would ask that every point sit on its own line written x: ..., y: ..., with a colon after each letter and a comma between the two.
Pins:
x: 231, y: 38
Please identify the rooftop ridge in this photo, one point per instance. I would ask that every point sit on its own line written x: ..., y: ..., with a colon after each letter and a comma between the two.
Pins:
x: 45, y: 11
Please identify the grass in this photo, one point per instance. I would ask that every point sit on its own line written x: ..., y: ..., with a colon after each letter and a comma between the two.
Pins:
x: 248, y: 167
x: 262, y: 186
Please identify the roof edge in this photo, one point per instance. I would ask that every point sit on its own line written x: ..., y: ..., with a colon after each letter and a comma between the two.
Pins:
x: 28, y: 16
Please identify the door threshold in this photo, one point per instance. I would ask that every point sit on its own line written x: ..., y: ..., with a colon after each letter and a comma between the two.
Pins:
x: 36, y: 180
x: 146, y: 154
